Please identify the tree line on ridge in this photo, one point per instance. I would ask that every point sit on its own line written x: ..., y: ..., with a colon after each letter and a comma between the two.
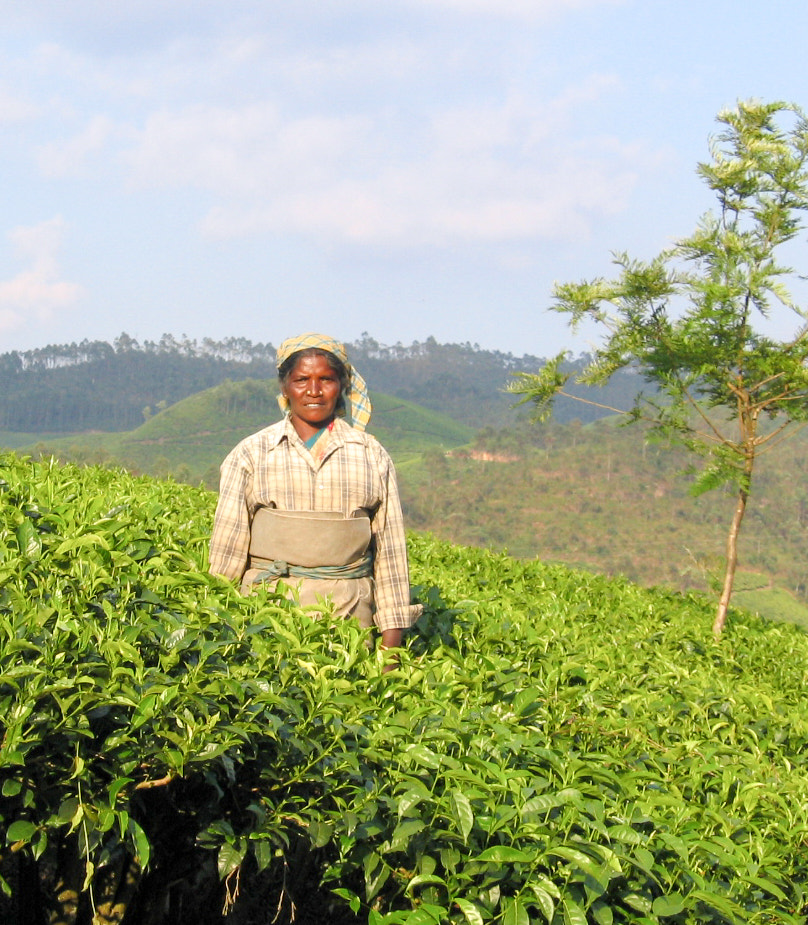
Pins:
x: 95, y: 385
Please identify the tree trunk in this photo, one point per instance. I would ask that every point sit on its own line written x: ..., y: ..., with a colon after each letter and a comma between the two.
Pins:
x: 117, y: 885
x: 66, y: 898
x: 732, y: 562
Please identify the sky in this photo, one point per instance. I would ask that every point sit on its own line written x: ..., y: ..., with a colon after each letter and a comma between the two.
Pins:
x: 406, y: 169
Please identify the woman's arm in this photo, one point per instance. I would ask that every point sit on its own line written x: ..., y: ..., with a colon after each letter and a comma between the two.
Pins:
x: 230, y: 540
x: 394, y: 613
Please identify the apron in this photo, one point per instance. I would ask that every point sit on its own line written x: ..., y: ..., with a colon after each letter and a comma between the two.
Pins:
x: 318, y: 555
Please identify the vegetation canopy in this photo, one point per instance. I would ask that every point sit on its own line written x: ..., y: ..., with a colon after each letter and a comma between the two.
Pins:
x: 556, y: 747
x: 692, y: 321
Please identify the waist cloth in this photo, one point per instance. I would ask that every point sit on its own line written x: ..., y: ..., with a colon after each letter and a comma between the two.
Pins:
x: 319, y: 555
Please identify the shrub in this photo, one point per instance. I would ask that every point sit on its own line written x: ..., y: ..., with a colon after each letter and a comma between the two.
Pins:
x: 555, y: 746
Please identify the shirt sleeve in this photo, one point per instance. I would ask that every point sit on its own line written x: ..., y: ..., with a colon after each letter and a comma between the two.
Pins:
x: 230, y: 540
x: 390, y: 566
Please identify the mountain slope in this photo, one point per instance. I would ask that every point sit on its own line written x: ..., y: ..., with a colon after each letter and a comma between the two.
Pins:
x: 595, y: 496
x: 604, y: 498
x: 102, y: 386
x: 190, y: 438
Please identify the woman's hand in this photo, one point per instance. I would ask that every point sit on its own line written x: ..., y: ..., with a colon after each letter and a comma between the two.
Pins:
x: 391, y: 639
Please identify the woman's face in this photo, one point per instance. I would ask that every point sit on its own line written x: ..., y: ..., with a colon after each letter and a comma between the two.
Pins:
x: 312, y: 389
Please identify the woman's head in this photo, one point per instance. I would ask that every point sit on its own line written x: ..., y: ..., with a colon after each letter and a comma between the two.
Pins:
x: 313, y: 391
x: 286, y: 368
x: 354, y: 401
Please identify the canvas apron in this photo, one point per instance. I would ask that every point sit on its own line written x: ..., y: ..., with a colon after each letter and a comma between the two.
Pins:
x: 318, y: 554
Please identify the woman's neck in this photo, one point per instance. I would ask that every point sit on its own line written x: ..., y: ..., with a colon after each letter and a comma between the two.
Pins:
x: 305, y: 430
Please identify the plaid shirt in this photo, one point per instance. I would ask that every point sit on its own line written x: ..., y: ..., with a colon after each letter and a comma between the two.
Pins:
x: 274, y: 467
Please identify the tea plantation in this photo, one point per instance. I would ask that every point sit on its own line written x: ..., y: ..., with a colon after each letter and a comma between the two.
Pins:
x: 555, y: 747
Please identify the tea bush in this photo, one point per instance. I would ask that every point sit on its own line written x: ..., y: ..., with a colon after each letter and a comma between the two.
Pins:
x: 555, y: 746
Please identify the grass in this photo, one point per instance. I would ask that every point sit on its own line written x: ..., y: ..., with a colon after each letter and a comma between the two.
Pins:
x: 773, y: 604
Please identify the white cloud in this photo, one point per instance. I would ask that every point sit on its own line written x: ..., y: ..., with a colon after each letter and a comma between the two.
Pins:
x: 252, y: 151
x: 67, y: 158
x: 513, y: 170
x: 521, y: 9
x: 325, y: 145
x: 36, y: 292
x: 443, y: 205
x: 150, y: 21
x: 14, y: 108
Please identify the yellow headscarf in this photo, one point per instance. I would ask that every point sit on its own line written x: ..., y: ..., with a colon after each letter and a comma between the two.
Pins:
x: 357, y: 399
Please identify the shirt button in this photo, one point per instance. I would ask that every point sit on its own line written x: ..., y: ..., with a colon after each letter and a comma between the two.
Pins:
x: 321, y: 486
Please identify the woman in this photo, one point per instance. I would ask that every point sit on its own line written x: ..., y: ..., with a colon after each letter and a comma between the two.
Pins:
x: 313, y: 500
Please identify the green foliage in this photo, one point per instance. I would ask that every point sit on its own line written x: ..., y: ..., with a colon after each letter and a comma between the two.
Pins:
x: 685, y: 319
x: 555, y: 746
x: 692, y: 320
x: 101, y: 386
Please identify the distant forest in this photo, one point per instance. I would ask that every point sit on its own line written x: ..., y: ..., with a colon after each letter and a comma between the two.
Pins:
x: 95, y: 385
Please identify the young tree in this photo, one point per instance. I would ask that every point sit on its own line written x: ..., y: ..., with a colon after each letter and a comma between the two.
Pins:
x: 692, y: 321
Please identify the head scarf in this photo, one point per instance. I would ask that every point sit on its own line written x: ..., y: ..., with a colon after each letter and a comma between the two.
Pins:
x: 357, y: 399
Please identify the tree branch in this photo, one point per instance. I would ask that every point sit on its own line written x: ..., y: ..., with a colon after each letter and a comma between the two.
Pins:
x: 160, y: 782
x: 588, y: 401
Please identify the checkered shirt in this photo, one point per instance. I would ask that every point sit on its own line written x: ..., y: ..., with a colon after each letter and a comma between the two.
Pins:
x: 273, y: 466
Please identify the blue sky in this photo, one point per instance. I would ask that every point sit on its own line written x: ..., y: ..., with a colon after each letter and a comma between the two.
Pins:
x: 411, y: 168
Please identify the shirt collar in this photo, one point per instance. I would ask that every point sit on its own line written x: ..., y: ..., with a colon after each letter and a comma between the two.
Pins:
x: 342, y: 432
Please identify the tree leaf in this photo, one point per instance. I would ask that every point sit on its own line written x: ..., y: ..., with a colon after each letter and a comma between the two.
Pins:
x: 463, y: 813
x: 502, y: 854
x: 20, y: 831
x: 514, y: 912
x: 670, y: 904
x: 470, y: 911
x: 229, y: 858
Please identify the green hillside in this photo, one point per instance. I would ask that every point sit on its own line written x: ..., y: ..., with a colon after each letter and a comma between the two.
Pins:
x: 602, y: 497
x: 596, y: 496
x: 556, y: 747
x: 72, y: 388
x: 190, y: 439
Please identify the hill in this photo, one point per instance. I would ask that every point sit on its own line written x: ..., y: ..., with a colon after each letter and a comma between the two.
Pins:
x: 605, y: 498
x: 597, y: 496
x: 586, y: 494
x: 111, y: 387
x: 190, y: 439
